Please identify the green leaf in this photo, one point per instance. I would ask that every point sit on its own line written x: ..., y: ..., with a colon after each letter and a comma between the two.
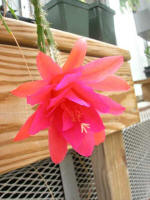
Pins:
x: 147, y: 52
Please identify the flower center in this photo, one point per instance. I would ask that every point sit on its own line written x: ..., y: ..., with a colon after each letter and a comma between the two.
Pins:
x: 73, y: 111
x: 76, y: 115
x: 84, y: 127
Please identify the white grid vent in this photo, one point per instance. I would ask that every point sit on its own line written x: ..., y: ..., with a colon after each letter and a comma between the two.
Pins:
x: 41, y: 180
x: 84, y: 176
x: 137, y: 146
x: 145, y: 115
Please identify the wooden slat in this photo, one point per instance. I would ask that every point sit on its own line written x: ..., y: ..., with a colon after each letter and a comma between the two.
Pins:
x: 25, y: 34
x: 146, y: 92
x: 143, y: 81
x: 14, y: 111
x: 110, y: 169
x: 100, y: 173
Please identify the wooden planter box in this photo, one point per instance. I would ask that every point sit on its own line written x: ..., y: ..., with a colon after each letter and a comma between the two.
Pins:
x: 108, y: 160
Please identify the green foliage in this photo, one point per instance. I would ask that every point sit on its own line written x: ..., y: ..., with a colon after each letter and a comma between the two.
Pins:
x: 132, y: 4
x: 11, y: 10
x: 147, y: 52
x: 3, y: 20
x: 40, y: 28
x: 4, y: 23
x: 45, y: 38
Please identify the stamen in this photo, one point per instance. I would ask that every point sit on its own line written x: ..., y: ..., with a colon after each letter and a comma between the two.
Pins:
x: 84, y: 127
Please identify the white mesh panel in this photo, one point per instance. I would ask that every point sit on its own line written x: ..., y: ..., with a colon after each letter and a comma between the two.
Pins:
x: 137, y: 146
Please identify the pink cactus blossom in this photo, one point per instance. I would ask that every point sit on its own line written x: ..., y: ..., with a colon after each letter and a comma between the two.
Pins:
x: 68, y: 106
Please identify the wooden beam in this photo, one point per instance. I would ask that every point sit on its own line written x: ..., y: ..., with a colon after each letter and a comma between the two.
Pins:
x: 100, y: 173
x: 146, y: 91
x: 25, y: 34
x: 143, y: 81
x: 110, y: 169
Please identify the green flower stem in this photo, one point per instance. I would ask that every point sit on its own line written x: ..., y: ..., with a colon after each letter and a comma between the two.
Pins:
x: 11, y: 10
x: 45, y: 38
x: 40, y: 30
x: 4, y: 23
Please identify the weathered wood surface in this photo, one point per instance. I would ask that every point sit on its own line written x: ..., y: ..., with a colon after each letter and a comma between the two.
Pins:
x: 143, y: 81
x: 25, y: 34
x: 14, y: 111
x: 110, y: 169
x: 146, y: 91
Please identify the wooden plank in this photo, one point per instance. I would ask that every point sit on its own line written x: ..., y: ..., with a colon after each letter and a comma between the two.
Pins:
x: 69, y: 179
x: 14, y: 111
x: 100, y: 173
x: 25, y: 34
x: 110, y: 169
x: 143, y: 81
x: 146, y: 91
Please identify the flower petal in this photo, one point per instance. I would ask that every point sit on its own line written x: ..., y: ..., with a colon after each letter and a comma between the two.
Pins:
x: 99, y: 137
x: 73, y: 97
x: 24, y: 131
x: 100, y: 102
x: 58, y: 98
x: 28, y: 88
x: 67, y: 122
x: 110, y: 83
x: 87, y: 145
x: 40, y: 96
x: 92, y: 118
x: 57, y: 145
x: 113, y: 107
x: 68, y: 79
x: 40, y: 121
x: 47, y: 67
x: 76, y: 56
x: 101, y: 68
x: 94, y: 99
x: 74, y: 136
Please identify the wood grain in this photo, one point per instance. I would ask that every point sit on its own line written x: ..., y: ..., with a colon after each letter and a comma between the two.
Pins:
x: 117, y: 167
x: 25, y: 34
x: 146, y: 91
x: 143, y: 81
x: 14, y: 111
x: 100, y: 173
x: 110, y: 170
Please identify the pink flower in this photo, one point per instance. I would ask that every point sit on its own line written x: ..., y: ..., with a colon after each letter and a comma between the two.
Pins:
x: 68, y: 105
